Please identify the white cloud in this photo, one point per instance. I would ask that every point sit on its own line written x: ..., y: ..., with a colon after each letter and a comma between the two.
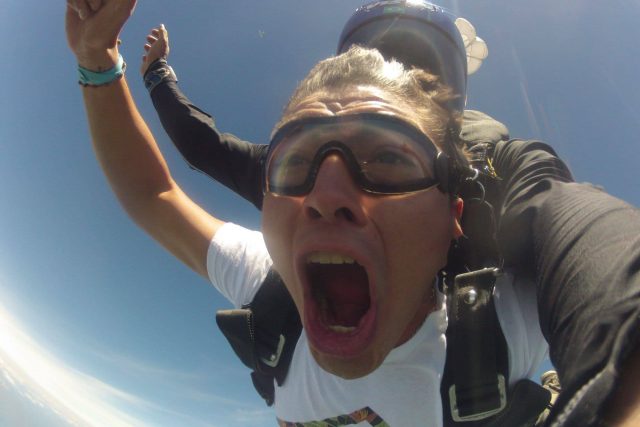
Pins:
x: 52, y: 388
x: 253, y: 417
x: 78, y: 398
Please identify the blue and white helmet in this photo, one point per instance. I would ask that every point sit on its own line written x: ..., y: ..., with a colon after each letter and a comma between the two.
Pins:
x: 419, y: 34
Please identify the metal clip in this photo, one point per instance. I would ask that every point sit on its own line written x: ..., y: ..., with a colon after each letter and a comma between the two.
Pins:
x: 274, y: 358
x: 455, y: 414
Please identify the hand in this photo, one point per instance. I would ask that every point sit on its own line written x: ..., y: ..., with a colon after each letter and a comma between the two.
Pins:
x: 157, y: 47
x: 93, y: 27
x: 623, y: 409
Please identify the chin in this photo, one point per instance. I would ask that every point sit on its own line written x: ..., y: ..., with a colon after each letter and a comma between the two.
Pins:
x: 347, y: 368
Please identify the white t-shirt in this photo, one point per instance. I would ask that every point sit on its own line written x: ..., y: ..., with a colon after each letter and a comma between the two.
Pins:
x: 405, y: 390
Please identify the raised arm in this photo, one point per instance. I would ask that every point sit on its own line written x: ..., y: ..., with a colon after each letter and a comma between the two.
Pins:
x: 123, y: 143
x: 231, y: 161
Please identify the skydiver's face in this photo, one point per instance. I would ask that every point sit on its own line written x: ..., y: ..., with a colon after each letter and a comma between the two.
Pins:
x: 360, y: 267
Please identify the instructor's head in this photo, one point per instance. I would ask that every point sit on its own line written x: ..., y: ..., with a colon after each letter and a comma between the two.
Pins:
x: 354, y: 217
x: 418, y: 34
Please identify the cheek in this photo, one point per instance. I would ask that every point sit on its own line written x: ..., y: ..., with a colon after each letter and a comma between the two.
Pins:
x: 278, y: 216
x: 422, y: 230
x: 276, y: 229
x: 416, y: 240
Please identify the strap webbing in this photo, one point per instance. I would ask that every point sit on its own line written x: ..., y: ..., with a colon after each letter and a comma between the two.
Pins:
x: 476, y: 369
x: 264, y: 334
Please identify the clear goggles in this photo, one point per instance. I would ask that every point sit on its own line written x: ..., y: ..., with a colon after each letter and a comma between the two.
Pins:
x: 384, y: 155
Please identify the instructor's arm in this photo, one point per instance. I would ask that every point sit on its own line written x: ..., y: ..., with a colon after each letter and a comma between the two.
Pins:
x: 124, y: 146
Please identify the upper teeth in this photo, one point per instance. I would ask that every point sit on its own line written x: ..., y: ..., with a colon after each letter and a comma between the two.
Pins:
x: 329, y: 258
x: 342, y: 329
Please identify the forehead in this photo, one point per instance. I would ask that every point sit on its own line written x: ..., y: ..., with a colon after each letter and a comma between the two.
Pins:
x: 353, y: 100
x: 371, y: 127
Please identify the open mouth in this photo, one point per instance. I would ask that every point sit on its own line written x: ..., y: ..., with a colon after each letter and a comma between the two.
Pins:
x: 339, y: 315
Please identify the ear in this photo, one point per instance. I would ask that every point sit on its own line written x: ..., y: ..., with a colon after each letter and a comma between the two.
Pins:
x: 457, y: 206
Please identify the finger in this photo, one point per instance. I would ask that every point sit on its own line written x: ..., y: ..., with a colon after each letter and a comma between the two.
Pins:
x: 163, y: 31
x: 147, y: 47
x: 73, y: 5
x: 151, y: 39
x: 80, y: 7
x: 94, y: 4
x: 155, y: 32
x: 72, y: 9
x: 84, y: 11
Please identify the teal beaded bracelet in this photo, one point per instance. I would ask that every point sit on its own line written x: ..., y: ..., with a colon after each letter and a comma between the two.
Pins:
x: 93, y: 78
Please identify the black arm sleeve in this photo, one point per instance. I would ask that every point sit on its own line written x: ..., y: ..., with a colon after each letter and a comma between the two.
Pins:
x: 583, y: 247
x: 235, y: 163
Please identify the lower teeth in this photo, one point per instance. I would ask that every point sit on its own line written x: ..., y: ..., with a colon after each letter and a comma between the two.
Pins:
x: 324, y: 310
x: 342, y: 329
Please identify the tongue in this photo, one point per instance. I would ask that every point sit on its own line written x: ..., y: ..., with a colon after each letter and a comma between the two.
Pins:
x: 347, y: 292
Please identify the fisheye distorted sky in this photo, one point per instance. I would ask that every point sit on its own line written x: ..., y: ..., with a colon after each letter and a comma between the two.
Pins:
x: 98, y: 325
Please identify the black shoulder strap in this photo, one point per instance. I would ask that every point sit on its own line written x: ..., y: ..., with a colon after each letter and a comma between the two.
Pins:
x: 474, y: 385
x: 264, y: 334
x: 474, y: 388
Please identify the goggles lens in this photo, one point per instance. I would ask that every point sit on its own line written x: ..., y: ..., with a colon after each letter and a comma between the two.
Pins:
x: 385, y: 155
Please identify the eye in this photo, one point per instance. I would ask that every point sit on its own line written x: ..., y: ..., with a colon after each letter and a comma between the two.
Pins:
x: 393, y: 164
x: 390, y: 158
x: 293, y: 160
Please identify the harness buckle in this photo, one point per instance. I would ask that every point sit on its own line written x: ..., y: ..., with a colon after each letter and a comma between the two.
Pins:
x: 458, y: 414
x: 274, y: 358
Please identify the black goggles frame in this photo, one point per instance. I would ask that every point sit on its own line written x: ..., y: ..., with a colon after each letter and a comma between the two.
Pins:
x: 442, y: 164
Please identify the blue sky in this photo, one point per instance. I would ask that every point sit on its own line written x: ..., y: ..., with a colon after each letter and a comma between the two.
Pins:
x: 98, y: 325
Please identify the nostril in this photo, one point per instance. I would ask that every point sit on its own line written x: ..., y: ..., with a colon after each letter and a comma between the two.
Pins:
x: 341, y: 213
x: 346, y: 214
x: 313, y: 213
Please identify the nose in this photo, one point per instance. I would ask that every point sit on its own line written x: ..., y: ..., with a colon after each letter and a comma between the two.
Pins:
x: 335, y: 196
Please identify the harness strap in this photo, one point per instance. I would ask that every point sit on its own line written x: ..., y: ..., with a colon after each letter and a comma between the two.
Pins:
x: 474, y: 386
x: 264, y: 333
